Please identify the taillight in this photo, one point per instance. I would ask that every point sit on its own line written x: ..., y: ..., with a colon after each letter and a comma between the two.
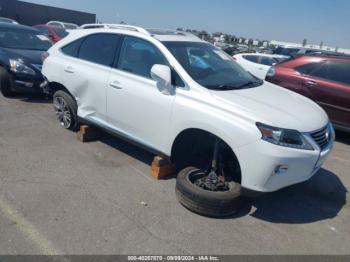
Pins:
x: 44, y: 56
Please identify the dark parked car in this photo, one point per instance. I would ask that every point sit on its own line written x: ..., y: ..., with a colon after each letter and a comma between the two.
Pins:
x: 21, y: 56
x: 55, y: 33
x: 324, y: 79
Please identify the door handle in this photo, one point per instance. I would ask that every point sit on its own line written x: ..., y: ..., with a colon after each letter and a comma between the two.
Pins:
x: 311, y: 83
x: 116, y: 85
x: 69, y: 69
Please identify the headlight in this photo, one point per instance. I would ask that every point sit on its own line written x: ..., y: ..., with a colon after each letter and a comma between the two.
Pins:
x: 271, y: 72
x: 17, y: 66
x: 284, y: 137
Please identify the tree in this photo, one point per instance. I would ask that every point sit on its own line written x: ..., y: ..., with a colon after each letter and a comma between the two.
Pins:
x: 304, y: 42
x: 321, y: 45
x: 179, y: 29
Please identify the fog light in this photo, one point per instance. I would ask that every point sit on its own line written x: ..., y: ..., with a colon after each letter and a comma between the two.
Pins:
x: 280, y: 169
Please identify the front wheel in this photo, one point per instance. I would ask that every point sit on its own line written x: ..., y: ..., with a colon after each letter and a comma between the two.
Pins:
x: 197, y: 194
x: 5, y: 83
x: 66, y: 110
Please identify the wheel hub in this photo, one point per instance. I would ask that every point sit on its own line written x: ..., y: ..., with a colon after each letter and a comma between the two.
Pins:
x: 62, y: 112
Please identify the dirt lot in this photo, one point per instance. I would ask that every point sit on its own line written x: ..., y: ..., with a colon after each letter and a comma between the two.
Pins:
x: 60, y: 196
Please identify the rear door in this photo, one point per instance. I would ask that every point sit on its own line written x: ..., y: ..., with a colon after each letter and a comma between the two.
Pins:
x: 86, y: 72
x: 329, y: 86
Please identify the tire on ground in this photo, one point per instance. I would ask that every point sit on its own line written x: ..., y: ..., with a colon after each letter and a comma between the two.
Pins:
x: 203, y: 202
x: 5, y: 83
x: 73, y: 108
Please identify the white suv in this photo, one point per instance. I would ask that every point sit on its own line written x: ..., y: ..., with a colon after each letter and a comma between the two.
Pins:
x: 183, y: 98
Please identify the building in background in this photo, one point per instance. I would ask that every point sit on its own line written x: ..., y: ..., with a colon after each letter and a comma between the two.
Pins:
x: 33, y: 14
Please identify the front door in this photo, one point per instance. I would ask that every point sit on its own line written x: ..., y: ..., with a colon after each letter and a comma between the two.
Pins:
x: 135, y: 106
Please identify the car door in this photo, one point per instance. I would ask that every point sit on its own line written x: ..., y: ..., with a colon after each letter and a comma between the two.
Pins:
x: 135, y: 106
x: 86, y: 72
x: 329, y: 86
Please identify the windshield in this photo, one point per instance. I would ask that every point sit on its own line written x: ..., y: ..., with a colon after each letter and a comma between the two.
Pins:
x: 23, y: 39
x: 211, y: 67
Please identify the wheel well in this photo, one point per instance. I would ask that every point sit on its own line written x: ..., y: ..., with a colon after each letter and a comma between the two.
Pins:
x: 193, y: 146
x: 54, y: 87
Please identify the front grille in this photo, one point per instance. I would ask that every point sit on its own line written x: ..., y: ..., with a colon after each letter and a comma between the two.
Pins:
x: 321, y: 137
x: 39, y: 67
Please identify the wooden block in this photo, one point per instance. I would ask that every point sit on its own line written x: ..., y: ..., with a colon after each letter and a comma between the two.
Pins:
x: 88, y: 134
x: 161, y: 161
x: 162, y: 167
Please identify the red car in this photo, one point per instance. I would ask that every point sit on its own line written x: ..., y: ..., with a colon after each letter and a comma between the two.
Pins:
x: 324, y: 79
x: 55, y: 33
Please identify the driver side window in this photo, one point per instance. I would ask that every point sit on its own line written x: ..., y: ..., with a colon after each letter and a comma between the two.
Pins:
x: 137, y: 56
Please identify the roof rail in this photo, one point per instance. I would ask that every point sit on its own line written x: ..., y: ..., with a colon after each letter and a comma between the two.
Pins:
x: 119, y: 26
x: 157, y: 31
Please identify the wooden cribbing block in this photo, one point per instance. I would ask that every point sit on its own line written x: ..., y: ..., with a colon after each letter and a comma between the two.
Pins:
x: 162, y: 167
x: 88, y: 134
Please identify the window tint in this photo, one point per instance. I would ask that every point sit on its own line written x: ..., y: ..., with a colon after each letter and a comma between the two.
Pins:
x: 251, y: 58
x: 72, y: 48
x: 307, y: 68
x: 267, y: 61
x: 138, y: 56
x: 339, y: 72
x: 99, y: 48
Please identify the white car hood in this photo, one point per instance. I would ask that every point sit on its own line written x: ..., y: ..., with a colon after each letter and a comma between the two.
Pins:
x: 274, y: 105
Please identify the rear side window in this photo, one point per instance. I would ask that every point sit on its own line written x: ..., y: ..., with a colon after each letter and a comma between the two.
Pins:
x: 339, y: 72
x: 137, y: 56
x: 72, y: 48
x: 99, y: 48
x: 251, y: 58
x: 307, y: 68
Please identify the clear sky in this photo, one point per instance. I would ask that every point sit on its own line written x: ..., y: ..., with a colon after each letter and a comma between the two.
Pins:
x: 284, y: 20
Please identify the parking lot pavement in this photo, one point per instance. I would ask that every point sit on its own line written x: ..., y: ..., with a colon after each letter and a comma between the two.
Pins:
x: 58, y: 195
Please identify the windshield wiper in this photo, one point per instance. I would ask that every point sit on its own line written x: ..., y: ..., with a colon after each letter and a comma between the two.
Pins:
x: 255, y: 83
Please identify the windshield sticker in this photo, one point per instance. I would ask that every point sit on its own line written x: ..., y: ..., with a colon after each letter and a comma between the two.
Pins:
x: 42, y: 38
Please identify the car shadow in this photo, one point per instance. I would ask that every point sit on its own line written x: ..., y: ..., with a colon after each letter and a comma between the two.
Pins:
x: 127, y: 148
x: 32, y: 98
x: 342, y: 137
x: 320, y: 198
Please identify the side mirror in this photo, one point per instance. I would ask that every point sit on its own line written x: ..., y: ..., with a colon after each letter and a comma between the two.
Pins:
x: 162, y: 75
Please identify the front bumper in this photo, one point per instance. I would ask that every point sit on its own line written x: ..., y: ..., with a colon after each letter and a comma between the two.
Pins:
x: 28, y: 84
x: 260, y: 160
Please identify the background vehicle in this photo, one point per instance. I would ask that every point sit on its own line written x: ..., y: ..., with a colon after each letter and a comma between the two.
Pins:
x: 63, y: 24
x: 293, y: 51
x: 185, y: 99
x: 324, y: 79
x: 21, y: 57
x: 258, y: 64
x: 55, y: 33
x: 8, y: 20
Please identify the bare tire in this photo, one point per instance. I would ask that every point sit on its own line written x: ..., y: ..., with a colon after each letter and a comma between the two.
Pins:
x: 204, y: 202
x: 5, y: 83
x: 66, y: 110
